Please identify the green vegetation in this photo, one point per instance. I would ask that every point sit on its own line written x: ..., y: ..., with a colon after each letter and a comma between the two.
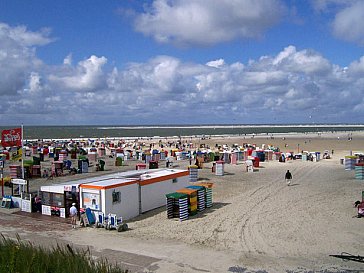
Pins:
x: 17, y: 256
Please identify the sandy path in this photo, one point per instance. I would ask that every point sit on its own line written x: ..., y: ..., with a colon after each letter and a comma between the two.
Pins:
x: 265, y: 222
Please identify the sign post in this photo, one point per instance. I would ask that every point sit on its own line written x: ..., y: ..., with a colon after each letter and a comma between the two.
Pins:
x: 1, y: 174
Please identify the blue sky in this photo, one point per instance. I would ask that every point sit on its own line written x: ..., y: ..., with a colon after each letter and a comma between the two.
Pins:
x: 181, y: 62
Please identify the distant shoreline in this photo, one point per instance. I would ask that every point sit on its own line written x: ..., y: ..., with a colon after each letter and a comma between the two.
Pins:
x: 336, y: 134
x: 146, y: 132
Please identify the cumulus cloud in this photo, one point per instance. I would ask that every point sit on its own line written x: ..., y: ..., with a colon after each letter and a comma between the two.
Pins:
x: 348, y: 18
x: 348, y: 23
x: 17, y: 56
x: 305, y: 61
x: 200, y: 22
x: 22, y: 36
x: 216, y: 63
x: 88, y: 74
x: 290, y: 86
x: 35, y: 84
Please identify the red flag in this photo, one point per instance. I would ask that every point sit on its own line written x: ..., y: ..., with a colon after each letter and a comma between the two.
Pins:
x: 11, y: 137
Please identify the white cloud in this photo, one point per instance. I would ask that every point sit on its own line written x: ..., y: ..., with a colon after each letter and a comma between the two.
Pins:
x: 216, y: 63
x: 287, y: 87
x: 68, y: 59
x: 35, y: 83
x: 24, y: 37
x: 348, y: 23
x: 200, y: 22
x: 348, y: 18
x: 305, y: 61
x: 88, y: 75
x: 17, y: 56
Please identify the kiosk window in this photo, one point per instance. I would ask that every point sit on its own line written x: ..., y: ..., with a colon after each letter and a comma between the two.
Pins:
x: 116, y: 196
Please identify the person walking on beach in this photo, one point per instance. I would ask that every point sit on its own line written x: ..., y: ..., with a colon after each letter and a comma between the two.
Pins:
x: 73, y: 215
x: 288, y: 177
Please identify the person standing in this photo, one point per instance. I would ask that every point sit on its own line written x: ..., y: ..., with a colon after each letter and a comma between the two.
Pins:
x: 73, y: 215
x: 288, y: 177
x: 38, y: 203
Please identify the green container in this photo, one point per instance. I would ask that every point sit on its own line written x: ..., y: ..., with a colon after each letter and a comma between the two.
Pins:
x: 176, y: 195
x: 119, y: 161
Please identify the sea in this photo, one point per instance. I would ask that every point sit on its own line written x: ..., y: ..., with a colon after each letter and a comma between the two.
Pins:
x: 153, y: 131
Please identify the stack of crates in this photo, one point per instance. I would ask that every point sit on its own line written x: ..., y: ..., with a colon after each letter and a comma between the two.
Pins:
x: 201, y: 203
x: 359, y: 171
x: 208, y: 192
x: 192, y: 200
x: 193, y: 173
x: 177, y: 206
x: 189, y: 201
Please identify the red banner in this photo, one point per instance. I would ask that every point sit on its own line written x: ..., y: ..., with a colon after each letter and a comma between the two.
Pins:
x: 11, y: 137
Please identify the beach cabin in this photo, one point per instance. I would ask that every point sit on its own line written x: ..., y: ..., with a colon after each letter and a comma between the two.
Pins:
x: 234, y: 157
x: 155, y: 185
x: 58, y: 198
x: 119, y: 196
x: 126, y: 194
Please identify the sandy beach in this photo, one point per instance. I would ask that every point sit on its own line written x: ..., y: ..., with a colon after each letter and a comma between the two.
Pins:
x: 257, y: 222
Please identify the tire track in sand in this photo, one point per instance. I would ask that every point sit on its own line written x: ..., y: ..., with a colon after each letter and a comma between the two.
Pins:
x: 251, y: 233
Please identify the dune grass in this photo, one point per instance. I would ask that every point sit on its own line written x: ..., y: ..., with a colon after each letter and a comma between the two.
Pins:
x: 23, y: 257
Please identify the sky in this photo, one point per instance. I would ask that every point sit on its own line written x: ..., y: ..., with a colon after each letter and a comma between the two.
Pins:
x: 133, y: 62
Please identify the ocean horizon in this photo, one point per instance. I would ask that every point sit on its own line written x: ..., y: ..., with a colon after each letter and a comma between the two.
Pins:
x: 140, y: 131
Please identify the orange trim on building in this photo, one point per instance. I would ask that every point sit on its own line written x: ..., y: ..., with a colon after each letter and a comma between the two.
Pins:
x: 98, y: 187
x: 163, y: 178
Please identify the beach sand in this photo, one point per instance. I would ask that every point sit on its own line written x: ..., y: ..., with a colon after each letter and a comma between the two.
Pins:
x: 257, y: 222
